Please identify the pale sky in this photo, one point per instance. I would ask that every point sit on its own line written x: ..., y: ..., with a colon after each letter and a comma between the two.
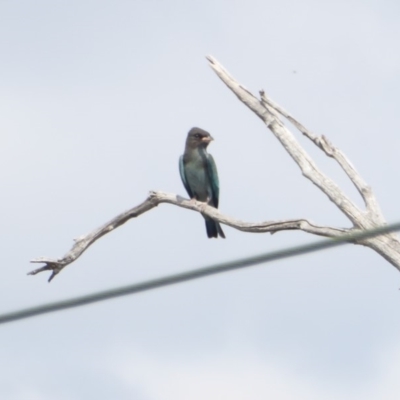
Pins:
x: 96, y: 100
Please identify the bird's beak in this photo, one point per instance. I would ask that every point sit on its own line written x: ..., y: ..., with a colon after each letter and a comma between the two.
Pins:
x: 207, y: 139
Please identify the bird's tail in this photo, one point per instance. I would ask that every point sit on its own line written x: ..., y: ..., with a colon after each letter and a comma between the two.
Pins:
x: 214, y: 229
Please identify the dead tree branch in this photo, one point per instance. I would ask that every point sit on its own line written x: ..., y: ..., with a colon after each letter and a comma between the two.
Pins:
x: 153, y: 200
x: 387, y: 245
x: 323, y: 143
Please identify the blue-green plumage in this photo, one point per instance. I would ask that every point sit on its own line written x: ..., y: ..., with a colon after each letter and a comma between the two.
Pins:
x: 199, y: 175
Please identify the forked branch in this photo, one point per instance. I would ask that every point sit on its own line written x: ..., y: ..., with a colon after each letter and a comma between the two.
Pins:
x: 387, y: 245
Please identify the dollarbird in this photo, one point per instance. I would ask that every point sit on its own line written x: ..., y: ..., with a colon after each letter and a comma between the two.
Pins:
x: 199, y: 175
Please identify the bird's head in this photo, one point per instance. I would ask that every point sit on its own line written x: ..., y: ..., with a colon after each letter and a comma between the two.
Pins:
x: 198, y: 137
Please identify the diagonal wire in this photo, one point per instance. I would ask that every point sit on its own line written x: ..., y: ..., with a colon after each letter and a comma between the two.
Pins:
x: 195, y: 274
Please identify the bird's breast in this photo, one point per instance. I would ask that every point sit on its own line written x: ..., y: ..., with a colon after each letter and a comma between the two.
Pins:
x: 197, y: 178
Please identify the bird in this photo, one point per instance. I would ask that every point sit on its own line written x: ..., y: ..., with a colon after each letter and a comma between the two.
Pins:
x: 199, y: 175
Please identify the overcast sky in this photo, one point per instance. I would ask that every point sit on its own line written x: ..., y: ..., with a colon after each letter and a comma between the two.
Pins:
x: 96, y: 99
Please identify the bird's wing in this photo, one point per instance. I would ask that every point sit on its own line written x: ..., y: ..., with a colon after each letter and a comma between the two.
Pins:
x: 183, y: 177
x: 213, y: 176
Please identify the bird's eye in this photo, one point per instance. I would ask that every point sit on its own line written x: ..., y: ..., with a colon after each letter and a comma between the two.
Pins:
x: 197, y: 136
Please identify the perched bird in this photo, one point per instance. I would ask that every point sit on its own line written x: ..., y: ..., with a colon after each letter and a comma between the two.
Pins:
x: 199, y: 175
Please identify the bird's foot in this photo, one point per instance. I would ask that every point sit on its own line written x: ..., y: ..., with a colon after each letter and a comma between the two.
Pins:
x: 203, y: 206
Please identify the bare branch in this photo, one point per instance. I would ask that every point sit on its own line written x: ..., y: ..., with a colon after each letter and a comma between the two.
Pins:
x: 386, y: 245
x: 83, y: 242
x: 326, y: 146
x: 153, y: 200
x: 288, y: 141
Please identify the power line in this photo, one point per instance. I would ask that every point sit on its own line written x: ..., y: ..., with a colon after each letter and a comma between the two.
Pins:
x: 195, y: 274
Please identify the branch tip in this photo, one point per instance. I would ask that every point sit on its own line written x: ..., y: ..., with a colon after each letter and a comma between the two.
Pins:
x: 210, y: 59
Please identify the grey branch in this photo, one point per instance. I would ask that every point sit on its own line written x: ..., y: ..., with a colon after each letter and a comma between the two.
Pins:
x: 153, y: 200
x: 288, y: 141
x: 323, y: 143
x: 387, y: 245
